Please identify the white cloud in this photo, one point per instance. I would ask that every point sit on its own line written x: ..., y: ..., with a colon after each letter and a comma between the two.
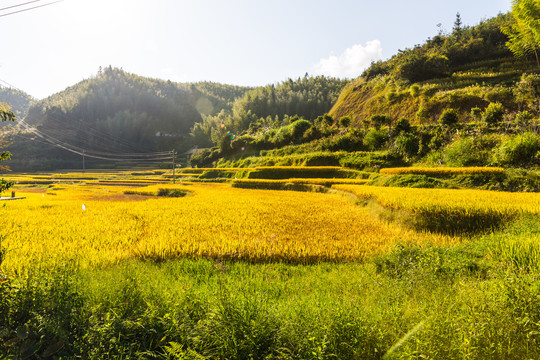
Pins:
x: 352, y: 62
x: 168, y: 74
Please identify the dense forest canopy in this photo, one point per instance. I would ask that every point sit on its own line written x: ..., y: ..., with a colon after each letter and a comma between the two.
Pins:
x: 306, y: 97
x: 132, y: 110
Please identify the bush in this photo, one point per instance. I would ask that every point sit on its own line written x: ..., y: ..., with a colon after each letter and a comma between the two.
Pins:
x: 375, y: 139
x: 414, y: 90
x: 328, y: 120
x: 476, y: 113
x: 379, y: 120
x: 469, y: 151
x: 345, y: 121
x: 449, y: 117
x: 520, y: 150
x: 493, y: 114
x: 171, y: 192
x: 402, y: 126
x: 347, y: 142
x: 406, y: 145
x: 299, y: 127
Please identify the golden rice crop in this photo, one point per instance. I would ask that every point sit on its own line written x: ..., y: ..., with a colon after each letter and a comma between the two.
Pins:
x: 450, y: 211
x: 442, y: 171
x: 313, y: 168
x: 311, y: 181
x: 153, y: 190
x: 218, y: 221
x: 431, y: 199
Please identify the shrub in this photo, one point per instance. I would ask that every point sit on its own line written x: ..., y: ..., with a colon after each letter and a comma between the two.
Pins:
x: 375, y: 139
x: 520, y: 150
x: 414, y: 90
x: 468, y: 151
x: 476, y: 113
x: 328, y: 120
x: 493, y: 114
x: 449, y: 117
x: 422, y: 114
x: 171, y: 192
x: 402, y: 126
x: 313, y: 133
x: 299, y: 127
x: 406, y: 145
x: 523, y: 119
x: 345, y: 121
x: 379, y: 120
x: 347, y: 142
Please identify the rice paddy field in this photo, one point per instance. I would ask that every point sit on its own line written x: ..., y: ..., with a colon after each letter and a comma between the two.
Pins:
x: 128, y: 265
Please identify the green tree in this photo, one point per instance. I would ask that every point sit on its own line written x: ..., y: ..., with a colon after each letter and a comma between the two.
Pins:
x: 402, y: 126
x: 524, y: 33
x: 458, y: 26
x: 375, y: 139
x: 527, y: 92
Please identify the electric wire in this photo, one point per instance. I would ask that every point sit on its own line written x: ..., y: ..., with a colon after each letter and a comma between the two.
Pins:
x: 31, y: 8
x: 104, y: 137
x: 9, y: 85
x: 132, y: 154
x: 97, y: 155
x: 14, y: 6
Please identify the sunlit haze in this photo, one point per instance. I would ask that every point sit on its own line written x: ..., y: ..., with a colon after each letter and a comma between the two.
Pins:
x: 239, y: 42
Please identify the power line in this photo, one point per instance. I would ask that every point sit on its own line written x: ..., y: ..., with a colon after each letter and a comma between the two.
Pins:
x: 11, y: 86
x: 31, y: 8
x: 14, y: 6
x: 166, y: 155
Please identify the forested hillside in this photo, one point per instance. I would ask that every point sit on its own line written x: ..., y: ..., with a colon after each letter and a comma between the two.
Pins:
x: 272, y: 105
x: 115, y: 112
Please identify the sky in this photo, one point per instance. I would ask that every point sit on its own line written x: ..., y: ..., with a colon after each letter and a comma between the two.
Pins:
x: 240, y: 42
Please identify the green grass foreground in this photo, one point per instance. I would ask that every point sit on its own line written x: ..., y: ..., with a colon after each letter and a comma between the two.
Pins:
x: 477, y: 300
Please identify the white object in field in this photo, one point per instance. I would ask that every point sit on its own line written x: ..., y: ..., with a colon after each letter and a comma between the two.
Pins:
x: 42, y: 195
x: 83, y: 207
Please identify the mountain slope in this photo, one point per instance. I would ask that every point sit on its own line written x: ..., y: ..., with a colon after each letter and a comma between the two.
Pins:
x: 115, y: 112
x: 469, y: 68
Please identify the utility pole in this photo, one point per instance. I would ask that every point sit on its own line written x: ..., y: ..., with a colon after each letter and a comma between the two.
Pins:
x: 173, y: 167
x: 83, y: 164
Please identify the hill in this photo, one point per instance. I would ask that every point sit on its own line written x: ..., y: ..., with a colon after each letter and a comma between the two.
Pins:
x: 471, y: 67
x: 114, y: 112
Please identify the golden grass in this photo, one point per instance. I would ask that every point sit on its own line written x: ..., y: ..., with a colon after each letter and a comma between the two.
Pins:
x: 435, y: 199
x: 217, y: 221
x: 441, y: 171
x: 311, y: 181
